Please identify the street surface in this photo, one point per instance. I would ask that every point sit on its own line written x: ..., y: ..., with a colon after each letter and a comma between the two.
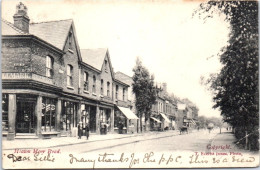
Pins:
x: 162, y: 141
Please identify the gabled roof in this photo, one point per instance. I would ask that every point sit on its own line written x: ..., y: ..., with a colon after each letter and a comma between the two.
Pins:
x: 9, y: 29
x: 94, y: 57
x: 54, y: 32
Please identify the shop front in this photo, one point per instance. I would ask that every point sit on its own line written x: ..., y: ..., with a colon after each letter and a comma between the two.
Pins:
x: 97, y: 117
x: 69, y: 118
x: 125, y: 121
x: 155, y: 124
x: 29, y: 115
x: 88, y: 117
x: 165, y: 121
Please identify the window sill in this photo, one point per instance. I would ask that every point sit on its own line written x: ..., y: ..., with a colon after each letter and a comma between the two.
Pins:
x: 87, y: 92
x: 71, y: 51
x: 69, y: 87
x: 94, y: 94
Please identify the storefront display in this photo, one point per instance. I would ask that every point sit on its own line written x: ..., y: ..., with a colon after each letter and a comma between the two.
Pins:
x: 69, y: 116
x: 48, y: 114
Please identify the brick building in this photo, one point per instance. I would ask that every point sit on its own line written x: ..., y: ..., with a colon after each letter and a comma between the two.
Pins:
x: 50, y: 85
x: 128, y: 105
x: 163, y: 111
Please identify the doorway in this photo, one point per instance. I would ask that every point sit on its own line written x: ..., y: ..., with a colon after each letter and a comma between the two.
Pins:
x: 25, y: 118
x: 92, y: 119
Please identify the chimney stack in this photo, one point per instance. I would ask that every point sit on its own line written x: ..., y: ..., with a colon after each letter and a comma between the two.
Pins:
x: 21, y: 20
x: 164, y: 88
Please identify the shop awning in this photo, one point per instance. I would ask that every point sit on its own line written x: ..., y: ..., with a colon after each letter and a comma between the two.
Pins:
x: 193, y: 122
x: 156, y: 120
x: 165, y: 118
x: 128, y: 113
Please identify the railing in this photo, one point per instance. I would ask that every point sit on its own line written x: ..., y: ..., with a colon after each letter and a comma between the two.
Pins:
x: 27, y: 76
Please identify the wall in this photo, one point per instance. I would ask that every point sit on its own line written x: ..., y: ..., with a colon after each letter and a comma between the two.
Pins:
x: 16, y: 56
x: 71, y: 57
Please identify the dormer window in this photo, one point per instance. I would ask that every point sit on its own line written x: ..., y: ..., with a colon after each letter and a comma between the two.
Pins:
x: 69, y: 75
x: 49, y: 66
x: 86, y: 81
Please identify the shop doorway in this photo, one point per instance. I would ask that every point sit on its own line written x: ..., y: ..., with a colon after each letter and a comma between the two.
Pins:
x: 25, y: 118
x: 92, y: 119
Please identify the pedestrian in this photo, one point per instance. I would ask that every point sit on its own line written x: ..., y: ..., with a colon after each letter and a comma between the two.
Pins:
x: 87, y: 131
x: 79, y: 130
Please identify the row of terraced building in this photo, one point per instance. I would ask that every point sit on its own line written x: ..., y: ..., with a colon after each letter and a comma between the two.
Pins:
x: 50, y: 85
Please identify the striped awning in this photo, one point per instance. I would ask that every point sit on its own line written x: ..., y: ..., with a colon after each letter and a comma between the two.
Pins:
x: 128, y: 113
x: 193, y: 122
x: 156, y: 120
x: 165, y: 118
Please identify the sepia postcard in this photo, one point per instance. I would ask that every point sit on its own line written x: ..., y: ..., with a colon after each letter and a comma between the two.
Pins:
x: 129, y: 84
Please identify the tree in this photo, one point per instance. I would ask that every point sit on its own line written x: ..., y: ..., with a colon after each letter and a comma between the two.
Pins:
x: 236, y: 86
x: 145, y: 91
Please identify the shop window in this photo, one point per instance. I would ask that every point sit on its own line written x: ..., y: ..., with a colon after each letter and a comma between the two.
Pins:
x: 4, y: 112
x: 69, y: 75
x: 86, y: 81
x: 48, y: 114
x: 108, y: 89
x: 85, y: 116
x: 69, y: 116
x: 101, y: 87
x: 94, y: 84
x: 104, y: 118
x: 120, y: 119
x: 116, y: 91
x: 49, y: 66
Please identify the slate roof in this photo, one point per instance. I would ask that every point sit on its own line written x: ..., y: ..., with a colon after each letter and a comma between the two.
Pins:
x: 53, y: 32
x: 94, y: 57
x: 123, y: 78
x: 9, y: 29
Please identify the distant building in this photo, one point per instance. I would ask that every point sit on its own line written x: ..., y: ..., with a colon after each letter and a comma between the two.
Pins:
x: 163, y: 111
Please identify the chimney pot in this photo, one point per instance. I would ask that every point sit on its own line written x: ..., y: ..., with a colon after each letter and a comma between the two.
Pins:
x: 21, y: 20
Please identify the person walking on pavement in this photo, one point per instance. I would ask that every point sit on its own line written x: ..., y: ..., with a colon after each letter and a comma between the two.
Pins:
x: 79, y: 130
x: 87, y: 131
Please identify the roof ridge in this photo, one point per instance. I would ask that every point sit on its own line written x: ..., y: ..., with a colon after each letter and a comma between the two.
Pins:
x: 123, y: 74
x: 14, y: 27
x: 93, y: 48
x: 51, y: 21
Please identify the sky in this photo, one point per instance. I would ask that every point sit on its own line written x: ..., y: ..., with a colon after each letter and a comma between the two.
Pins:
x: 174, y: 46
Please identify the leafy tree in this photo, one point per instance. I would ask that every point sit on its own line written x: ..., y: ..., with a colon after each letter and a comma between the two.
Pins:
x: 236, y: 86
x: 145, y: 91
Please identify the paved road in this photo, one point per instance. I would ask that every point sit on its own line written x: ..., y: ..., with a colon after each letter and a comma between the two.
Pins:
x: 196, y: 141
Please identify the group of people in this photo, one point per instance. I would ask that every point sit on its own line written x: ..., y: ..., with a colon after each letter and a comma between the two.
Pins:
x: 80, y: 131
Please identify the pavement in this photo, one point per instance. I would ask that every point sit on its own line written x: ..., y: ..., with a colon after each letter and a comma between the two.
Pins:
x: 228, y: 138
x: 215, y: 138
x: 66, y: 141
